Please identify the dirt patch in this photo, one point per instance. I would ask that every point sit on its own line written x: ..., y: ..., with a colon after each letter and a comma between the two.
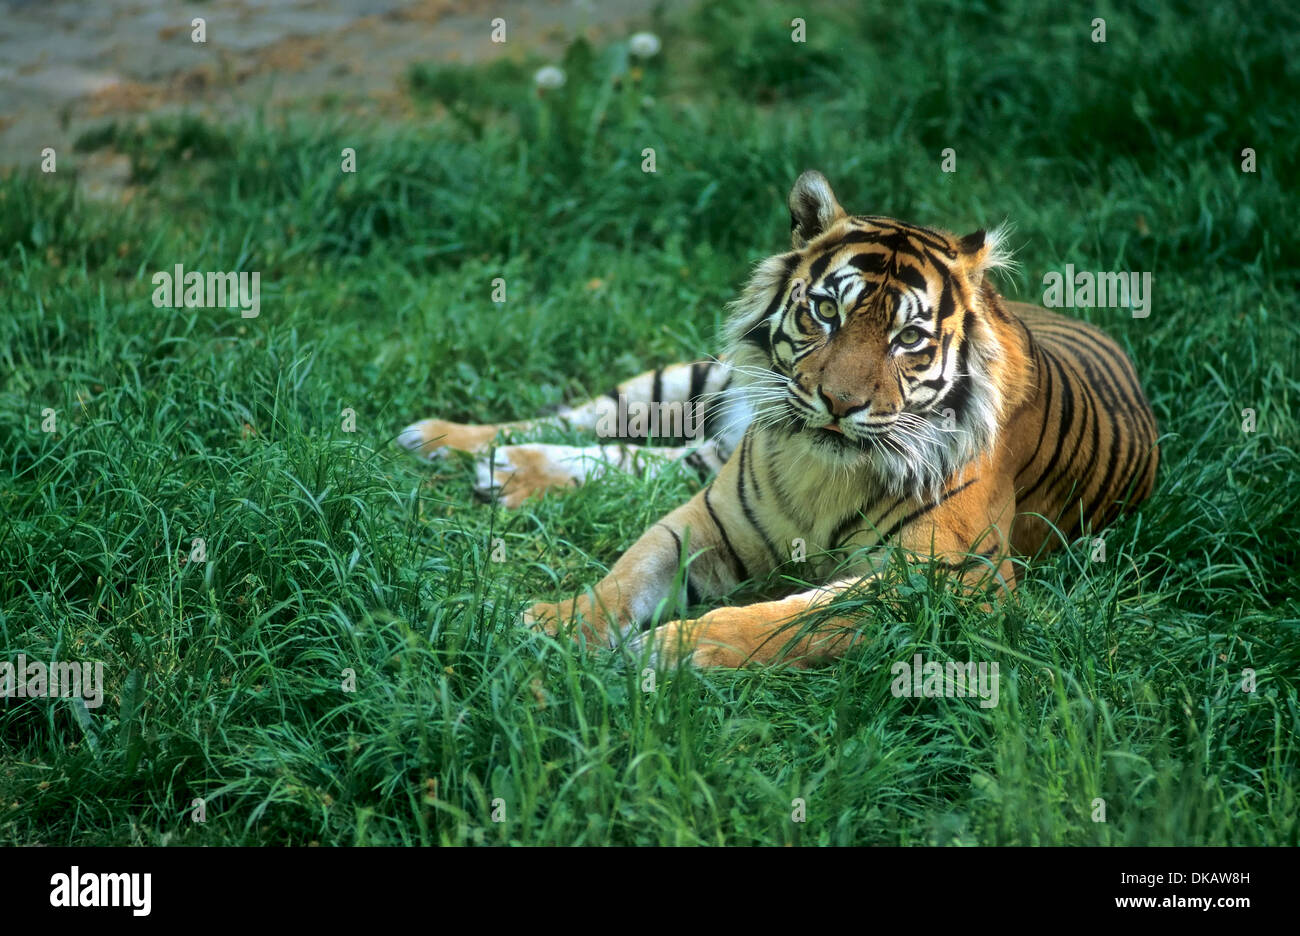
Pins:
x: 72, y: 65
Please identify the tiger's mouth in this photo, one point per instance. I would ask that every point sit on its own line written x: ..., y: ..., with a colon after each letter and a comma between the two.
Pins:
x: 835, y: 436
x: 839, y: 437
x: 832, y: 439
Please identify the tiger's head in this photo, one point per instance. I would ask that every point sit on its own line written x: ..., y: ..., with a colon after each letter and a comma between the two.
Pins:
x: 876, y: 344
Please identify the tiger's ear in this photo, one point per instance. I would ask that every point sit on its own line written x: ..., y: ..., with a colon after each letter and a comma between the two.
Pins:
x: 813, y: 208
x: 984, y: 251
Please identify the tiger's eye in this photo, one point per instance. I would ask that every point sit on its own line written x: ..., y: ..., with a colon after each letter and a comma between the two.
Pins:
x: 826, y: 309
x: 908, y: 336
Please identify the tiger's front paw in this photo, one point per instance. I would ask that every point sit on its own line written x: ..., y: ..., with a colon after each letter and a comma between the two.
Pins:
x: 546, y: 616
x: 676, y: 644
x: 575, y: 617
x: 726, y: 637
x: 433, y: 438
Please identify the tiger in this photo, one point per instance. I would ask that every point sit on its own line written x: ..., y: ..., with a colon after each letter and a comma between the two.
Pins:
x: 877, y: 397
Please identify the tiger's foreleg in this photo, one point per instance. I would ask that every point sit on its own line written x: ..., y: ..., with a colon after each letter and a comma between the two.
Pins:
x: 966, y: 536
x: 645, y: 578
x: 787, y: 630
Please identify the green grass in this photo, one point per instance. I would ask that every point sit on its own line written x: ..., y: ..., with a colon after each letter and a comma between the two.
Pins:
x: 330, y: 550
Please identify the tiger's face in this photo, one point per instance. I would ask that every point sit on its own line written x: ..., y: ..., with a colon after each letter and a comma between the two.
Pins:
x: 869, y: 345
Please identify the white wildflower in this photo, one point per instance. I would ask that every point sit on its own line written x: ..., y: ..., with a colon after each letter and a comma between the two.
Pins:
x: 549, y: 78
x: 644, y: 45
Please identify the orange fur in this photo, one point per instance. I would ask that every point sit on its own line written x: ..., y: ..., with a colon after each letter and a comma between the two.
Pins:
x: 873, y: 326
x: 895, y: 399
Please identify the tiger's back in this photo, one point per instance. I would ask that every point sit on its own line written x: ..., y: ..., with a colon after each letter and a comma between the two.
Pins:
x: 1086, y: 438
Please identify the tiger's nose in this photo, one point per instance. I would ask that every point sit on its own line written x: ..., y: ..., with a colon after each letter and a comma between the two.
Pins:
x: 841, y: 404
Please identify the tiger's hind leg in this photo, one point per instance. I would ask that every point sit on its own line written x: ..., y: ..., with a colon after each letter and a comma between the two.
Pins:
x: 514, y: 473
x: 688, y: 387
x: 681, y: 403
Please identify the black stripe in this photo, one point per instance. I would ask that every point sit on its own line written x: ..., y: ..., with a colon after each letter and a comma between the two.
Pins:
x: 1141, y: 456
x: 1113, y: 361
x: 760, y: 336
x: 1150, y: 472
x: 1030, y: 343
x: 750, y: 515
x: 833, y: 281
x: 844, y: 526
x: 1127, y: 495
x: 755, y: 334
x: 956, y: 398
x: 912, y: 277
x: 820, y: 264
x: 1102, y: 378
x: 939, y: 380
x: 699, y: 465
x: 1091, y: 413
x: 692, y: 593
x: 673, y: 533
x: 737, y: 564
x: 1064, y: 426
x: 856, y: 236
x: 699, y: 374
x: 1108, y: 478
x: 1083, y: 400
x: 903, y: 248
x: 1127, y: 477
x: 1047, y: 410
x: 993, y: 302
x: 837, y: 541
x: 1101, y: 345
x: 928, y: 236
x: 782, y: 495
x: 967, y: 326
x: 939, y: 265
x: 892, y: 232
x: 869, y: 263
x: 947, y: 304
x: 958, y: 393
x: 947, y: 345
x: 1104, y: 387
x: 787, y: 506
x: 916, y: 514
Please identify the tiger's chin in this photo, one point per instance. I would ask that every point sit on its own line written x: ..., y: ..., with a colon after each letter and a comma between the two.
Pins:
x: 894, y: 464
x: 829, y: 447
